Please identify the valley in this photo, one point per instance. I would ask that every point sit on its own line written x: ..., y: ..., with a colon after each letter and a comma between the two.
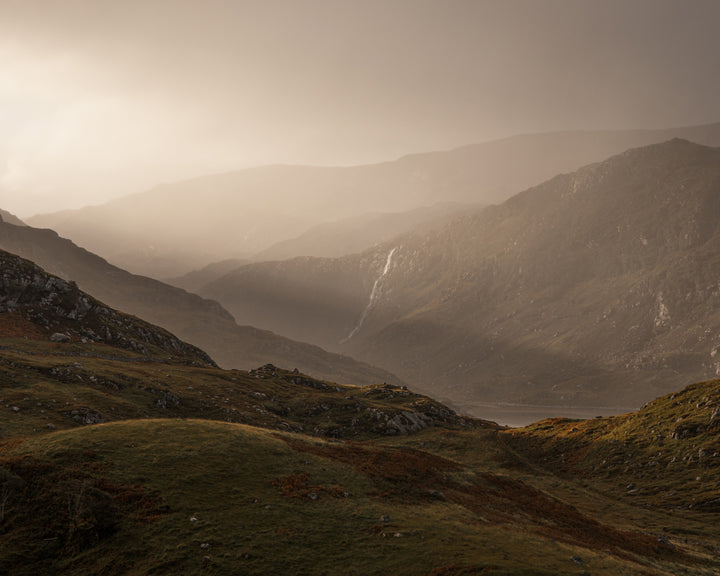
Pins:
x: 359, y: 288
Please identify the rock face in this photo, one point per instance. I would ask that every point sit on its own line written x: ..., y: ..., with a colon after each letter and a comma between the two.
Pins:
x: 65, y: 313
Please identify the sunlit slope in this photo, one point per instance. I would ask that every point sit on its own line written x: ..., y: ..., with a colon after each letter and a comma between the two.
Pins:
x: 666, y: 455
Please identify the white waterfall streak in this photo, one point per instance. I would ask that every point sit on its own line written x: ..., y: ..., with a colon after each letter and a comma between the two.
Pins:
x: 373, y: 297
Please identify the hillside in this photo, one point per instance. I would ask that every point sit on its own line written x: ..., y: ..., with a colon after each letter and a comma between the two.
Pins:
x: 665, y: 455
x: 595, y: 288
x: 176, y: 228
x: 196, y: 279
x: 34, y: 303
x: 201, y: 322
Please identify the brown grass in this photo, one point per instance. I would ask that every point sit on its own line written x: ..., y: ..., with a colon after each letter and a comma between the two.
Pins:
x: 14, y: 325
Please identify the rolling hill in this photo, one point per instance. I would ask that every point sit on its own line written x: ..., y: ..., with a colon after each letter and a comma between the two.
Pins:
x: 179, y: 227
x: 595, y: 288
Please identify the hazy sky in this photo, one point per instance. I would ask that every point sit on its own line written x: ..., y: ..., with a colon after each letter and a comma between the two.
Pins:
x: 102, y: 98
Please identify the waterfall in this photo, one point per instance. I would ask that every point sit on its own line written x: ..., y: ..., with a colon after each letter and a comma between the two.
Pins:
x: 373, y: 297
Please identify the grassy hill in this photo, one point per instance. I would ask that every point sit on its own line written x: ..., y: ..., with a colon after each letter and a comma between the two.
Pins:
x: 130, y: 465
x: 195, y: 497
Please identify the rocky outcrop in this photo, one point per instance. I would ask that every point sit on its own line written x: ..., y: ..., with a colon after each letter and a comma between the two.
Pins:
x: 60, y: 309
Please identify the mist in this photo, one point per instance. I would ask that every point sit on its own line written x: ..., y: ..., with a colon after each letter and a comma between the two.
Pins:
x: 104, y: 99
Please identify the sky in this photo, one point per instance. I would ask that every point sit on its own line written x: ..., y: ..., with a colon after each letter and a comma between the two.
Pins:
x: 105, y: 98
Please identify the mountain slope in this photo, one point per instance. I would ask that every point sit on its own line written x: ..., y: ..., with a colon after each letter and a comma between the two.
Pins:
x: 176, y: 228
x: 199, y: 321
x: 596, y: 288
x: 358, y: 233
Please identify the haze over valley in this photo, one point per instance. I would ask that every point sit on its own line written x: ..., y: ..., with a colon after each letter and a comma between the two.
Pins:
x: 403, y: 286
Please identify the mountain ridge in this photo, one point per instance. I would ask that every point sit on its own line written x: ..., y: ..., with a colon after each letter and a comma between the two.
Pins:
x: 175, y: 228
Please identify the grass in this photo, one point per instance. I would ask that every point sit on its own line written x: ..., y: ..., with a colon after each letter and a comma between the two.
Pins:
x: 370, y: 516
x: 197, y: 470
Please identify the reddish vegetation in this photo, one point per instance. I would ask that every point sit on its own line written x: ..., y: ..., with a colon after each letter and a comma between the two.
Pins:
x: 455, y: 570
x: 16, y: 326
x: 403, y: 474
x: 297, y: 486
x: 148, y: 506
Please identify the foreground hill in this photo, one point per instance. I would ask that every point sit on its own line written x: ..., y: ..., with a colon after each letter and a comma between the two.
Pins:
x: 202, y: 322
x: 147, y: 492
x: 192, y: 497
x: 179, y: 227
x: 596, y: 288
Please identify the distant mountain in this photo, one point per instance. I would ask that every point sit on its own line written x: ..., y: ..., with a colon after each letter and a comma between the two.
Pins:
x: 176, y: 228
x: 202, y: 322
x: 595, y: 288
x: 310, y: 299
x: 6, y: 216
x: 193, y: 281
x: 358, y: 233
x: 332, y: 239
